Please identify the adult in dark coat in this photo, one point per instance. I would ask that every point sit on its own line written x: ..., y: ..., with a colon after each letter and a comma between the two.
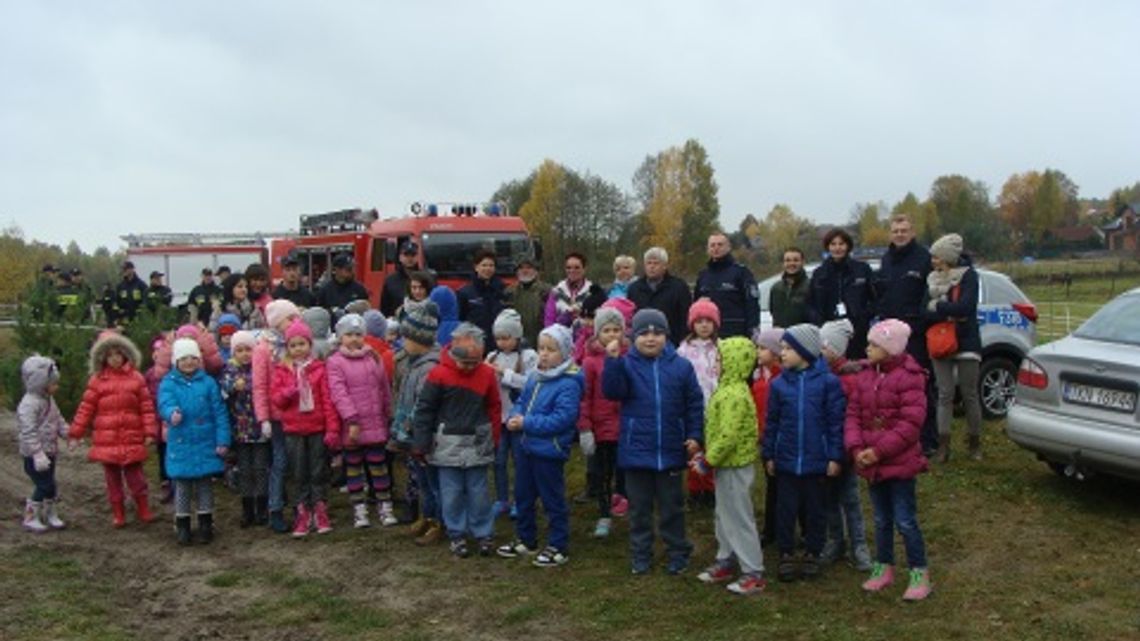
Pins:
x: 157, y: 294
x: 483, y: 298
x: 662, y: 291
x: 342, y: 288
x: 731, y: 287
x: 203, y: 296
x: 528, y: 297
x: 396, y: 285
x: 788, y: 298
x: 842, y: 287
x: 291, y: 288
x: 130, y: 294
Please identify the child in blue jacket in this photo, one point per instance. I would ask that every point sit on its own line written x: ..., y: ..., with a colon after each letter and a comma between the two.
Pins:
x: 190, y: 402
x: 803, y: 444
x: 662, y: 415
x: 546, y: 415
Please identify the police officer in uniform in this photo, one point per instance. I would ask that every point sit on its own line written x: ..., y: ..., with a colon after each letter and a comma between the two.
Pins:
x: 731, y: 287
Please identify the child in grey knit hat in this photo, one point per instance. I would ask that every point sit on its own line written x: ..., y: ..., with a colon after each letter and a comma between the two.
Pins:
x: 513, y: 364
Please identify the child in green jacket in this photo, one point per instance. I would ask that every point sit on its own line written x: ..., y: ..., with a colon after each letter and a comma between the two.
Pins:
x: 732, y: 450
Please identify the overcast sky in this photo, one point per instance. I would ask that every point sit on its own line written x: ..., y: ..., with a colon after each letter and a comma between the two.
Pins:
x: 120, y: 117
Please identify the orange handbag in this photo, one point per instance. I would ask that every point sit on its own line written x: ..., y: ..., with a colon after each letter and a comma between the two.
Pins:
x: 942, y: 337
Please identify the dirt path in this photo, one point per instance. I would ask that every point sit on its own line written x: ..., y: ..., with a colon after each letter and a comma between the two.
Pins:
x: 249, y: 584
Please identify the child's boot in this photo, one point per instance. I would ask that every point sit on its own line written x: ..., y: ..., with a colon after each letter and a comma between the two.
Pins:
x: 387, y: 514
x: 360, y: 516
x: 32, y: 518
x: 143, y: 509
x: 602, y: 529
x: 321, y: 517
x: 261, y: 510
x: 277, y: 522
x: 205, y: 528
x: 432, y: 535
x: 50, y: 516
x: 882, y: 575
x: 920, y: 585
x: 301, y: 522
x: 182, y: 528
x: 118, y: 514
x: 247, y: 509
x: 862, y: 558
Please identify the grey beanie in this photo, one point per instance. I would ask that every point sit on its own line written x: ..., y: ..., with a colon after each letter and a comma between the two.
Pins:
x: 421, y: 323
x: 647, y: 319
x: 836, y: 334
x: 508, y: 323
x: 804, y: 338
x: 375, y: 322
x: 948, y: 248
x: 351, y: 324
x: 608, y: 316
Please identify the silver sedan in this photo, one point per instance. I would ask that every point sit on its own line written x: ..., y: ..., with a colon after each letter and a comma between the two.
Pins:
x: 1076, y: 404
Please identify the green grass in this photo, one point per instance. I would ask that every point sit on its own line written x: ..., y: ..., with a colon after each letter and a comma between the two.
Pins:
x: 46, y: 595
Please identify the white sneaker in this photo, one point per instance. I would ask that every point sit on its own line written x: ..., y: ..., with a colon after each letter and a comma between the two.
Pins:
x: 51, y: 517
x: 360, y: 516
x: 32, y: 522
x: 387, y: 515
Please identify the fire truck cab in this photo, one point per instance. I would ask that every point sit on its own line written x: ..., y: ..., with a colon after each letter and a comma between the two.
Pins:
x: 447, y: 236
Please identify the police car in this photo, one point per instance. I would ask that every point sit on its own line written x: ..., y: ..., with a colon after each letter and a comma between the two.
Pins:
x: 1007, y: 321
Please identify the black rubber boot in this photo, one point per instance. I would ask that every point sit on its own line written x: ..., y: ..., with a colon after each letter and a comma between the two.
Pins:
x: 247, y: 506
x: 182, y: 527
x: 205, y: 528
x: 261, y: 510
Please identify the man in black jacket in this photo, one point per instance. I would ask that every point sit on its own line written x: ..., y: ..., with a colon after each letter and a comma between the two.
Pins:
x: 481, y: 300
x: 788, y: 298
x: 842, y: 287
x: 731, y: 287
x: 662, y: 291
x: 342, y: 288
x: 130, y: 294
x: 290, y: 288
x: 202, y: 297
x: 157, y: 294
x: 396, y: 285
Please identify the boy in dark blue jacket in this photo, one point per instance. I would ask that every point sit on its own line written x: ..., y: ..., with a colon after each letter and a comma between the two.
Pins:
x: 803, y: 442
x: 662, y: 415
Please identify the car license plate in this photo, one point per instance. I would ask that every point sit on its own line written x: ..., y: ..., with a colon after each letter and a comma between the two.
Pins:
x: 1099, y: 397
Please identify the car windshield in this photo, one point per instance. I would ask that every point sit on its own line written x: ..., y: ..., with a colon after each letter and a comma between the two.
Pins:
x: 450, y: 254
x: 1116, y: 322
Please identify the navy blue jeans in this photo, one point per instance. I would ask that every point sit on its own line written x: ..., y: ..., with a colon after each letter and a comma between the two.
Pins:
x: 539, y: 478
x: 796, y: 495
x: 44, y: 481
x: 894, y: 505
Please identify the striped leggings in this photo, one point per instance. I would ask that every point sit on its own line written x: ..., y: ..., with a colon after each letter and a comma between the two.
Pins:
x: 367, y: 466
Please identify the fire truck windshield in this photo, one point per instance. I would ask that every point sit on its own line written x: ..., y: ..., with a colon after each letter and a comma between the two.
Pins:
x: 449, y: 254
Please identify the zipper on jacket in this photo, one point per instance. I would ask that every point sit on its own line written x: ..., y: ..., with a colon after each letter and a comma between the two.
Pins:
x: 657, y: 393
x: 800, y: 429
x: 529, y: 406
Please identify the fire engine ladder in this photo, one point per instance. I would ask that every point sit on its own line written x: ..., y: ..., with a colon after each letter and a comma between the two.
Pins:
x: 206, y: 239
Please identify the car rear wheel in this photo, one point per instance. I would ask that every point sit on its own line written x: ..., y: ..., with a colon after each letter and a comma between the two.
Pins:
x: 997, y: 383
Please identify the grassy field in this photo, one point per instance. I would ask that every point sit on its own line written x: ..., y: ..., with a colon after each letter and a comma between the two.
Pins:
x: 1015, y: 551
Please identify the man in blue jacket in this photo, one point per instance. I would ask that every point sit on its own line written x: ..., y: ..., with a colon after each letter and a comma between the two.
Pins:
x: 662, y: 418
x: 731, y: 287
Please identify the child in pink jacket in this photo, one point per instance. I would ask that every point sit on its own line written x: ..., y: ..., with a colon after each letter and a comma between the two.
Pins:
x: 300, y: 391
x: 885, y: 413
x: 269, y: 350
x: 359, y: 388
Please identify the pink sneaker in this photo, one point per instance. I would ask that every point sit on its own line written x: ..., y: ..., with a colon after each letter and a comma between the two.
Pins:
x: 301, y: 522
x: 619, y: 505
x: 920, y: 586
x: 882, y: 575
x: 321, y: 516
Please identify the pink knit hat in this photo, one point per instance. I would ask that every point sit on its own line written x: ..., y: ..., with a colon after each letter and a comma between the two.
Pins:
x: 187, y: 331
x: 704, y: 308
x: 277, y: 311
x: 298, y: 328
x: 891, y: 335
x: 243, y: 337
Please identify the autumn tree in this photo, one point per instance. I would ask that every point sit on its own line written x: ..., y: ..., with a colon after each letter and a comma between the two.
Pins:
x: 963, y: 207
x: 683, y: 208
x: 872, y: 224
x: 1034, y: 203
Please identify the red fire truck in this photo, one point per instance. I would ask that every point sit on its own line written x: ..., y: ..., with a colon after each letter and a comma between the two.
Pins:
x: 447, y: 234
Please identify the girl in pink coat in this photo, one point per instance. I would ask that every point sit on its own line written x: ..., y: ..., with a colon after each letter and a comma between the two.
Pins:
x: 885, y: 413
x: 359, y: 388
x: 300, y: 392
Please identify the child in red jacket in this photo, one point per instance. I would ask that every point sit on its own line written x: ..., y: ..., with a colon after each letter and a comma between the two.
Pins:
x: 300, y: 392
x: 601, y: 418
x: 120, y: 408
x: 884, y: 418
x: 767, y: 369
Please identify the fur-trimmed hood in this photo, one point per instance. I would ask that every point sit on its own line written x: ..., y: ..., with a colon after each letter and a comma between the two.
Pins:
x: 106, y: 341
